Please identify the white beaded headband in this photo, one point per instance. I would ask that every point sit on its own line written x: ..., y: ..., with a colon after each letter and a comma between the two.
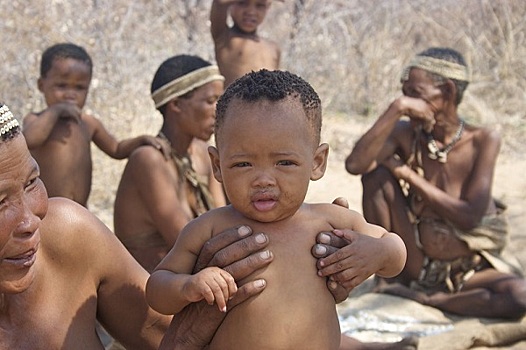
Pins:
x: 7, y: 122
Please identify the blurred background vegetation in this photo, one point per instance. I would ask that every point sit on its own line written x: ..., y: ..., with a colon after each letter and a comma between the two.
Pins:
x: 351, y: 51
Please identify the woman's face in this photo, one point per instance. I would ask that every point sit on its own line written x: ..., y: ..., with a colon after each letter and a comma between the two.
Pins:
x: 23, y: 205
x: 198, y: 112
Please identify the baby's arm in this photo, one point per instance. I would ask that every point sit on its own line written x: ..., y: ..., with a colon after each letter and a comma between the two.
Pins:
x: 172, y: 286
x: 168, y: 292
x: 122, y: 149
x: 38, y: 127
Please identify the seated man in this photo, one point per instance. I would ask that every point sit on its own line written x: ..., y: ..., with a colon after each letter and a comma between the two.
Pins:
x: 427, y: 175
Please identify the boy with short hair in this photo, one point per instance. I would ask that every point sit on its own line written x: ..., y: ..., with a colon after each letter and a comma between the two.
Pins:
x: 268, y: 149
x: 239, y: 49
x: 59, y: 137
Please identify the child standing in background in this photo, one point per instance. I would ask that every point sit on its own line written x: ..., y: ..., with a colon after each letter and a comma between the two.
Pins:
x: 59, y: 137
x: 239, y: 49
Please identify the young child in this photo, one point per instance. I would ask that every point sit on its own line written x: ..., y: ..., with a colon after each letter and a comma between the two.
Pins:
x: 59, y: 137
x: 239, y: 49
x: 268, y: 149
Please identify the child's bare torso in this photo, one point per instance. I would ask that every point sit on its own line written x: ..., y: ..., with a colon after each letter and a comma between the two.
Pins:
x: 243, y: 53
x: 296, y: 310
x: 65, y: 161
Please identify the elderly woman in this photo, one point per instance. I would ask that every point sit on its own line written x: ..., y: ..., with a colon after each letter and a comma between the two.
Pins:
x: 61, y: 269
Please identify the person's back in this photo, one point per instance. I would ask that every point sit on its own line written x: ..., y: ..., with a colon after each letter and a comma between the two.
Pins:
x: 239, y: 49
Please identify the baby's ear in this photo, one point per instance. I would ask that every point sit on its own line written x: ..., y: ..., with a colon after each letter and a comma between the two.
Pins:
x: 319, y: 164
x: 214, y: 159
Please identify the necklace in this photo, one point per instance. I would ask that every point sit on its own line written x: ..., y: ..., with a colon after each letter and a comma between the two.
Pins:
x: 441, y: 154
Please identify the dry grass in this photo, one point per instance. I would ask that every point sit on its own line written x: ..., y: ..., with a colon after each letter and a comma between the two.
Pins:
x: 351, y: 51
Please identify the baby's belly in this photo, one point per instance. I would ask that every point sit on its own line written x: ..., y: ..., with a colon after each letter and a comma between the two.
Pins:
x: 292, y: 313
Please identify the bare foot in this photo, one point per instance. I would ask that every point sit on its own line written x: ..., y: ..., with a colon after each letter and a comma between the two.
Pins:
x: 348, y: 343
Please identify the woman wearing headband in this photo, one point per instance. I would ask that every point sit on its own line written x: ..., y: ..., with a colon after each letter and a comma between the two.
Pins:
x: 156, y: 197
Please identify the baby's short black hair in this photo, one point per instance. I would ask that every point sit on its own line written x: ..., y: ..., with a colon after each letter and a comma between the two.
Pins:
x: 63, y: 50
x: 273, y: 86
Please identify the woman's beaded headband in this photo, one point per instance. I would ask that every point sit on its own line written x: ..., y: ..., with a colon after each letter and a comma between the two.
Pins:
x: 8, y: 124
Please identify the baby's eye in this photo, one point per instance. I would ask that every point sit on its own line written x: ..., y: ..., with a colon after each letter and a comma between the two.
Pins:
x: 285, y: 162
x: 241, y: 164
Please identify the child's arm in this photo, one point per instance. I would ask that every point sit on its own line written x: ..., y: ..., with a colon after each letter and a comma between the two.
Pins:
x: 168, y: 292
x: 38, y: 127
x: 172, y: 286
x: 218, y: 18
x: 122, y: 149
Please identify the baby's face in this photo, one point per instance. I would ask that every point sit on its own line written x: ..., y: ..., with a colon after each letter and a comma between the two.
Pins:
x: 68, y: 80
x: 266, y: 157
x: 249, y: 14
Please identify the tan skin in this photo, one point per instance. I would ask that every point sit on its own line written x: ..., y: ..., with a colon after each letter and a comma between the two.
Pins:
x: 267, y: 184
x: 61, y: 270
x: 158, y: 201
x: 462, y: 185
x: 239, y: 49
x: 59, y: 137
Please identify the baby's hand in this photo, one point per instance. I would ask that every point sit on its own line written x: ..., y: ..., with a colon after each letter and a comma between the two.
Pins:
x: 162, y: 145
x: 211, y: 284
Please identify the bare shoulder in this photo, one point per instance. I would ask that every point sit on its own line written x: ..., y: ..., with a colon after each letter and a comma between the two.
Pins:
x: 336, y: 215
x: 70, y: 231
x: 483, y: 135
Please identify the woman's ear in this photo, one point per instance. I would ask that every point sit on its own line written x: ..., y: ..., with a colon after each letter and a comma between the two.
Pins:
x: 214, y: 158
x: 319, y: 164
x: 174, y: 105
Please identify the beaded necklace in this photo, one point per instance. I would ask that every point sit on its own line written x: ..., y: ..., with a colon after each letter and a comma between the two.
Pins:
x: 441, y: 154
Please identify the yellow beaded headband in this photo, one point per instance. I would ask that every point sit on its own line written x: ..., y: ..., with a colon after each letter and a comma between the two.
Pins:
x: 446, y: 69
x: 186, y: 83
x: 8, y: 123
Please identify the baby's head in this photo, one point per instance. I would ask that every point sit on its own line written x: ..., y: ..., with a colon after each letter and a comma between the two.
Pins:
x: 268, y: 143
x: 179, y: 76
x: 272, y: 86
x: 63, y: 51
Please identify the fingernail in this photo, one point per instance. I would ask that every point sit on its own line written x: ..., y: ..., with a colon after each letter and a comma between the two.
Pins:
x: 261, y: 238
x: 321, y: 250
x: 260, y: 283
x: 325, y: 238
x: 243, y: 231
x: 333, y: 285
x: 265, y: 255
x: 223, y: 309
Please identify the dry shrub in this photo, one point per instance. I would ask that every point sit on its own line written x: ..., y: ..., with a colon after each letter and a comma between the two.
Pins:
x: 351, y: 51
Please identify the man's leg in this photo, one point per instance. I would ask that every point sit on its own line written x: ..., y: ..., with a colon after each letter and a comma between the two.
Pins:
x: 384, y: 204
